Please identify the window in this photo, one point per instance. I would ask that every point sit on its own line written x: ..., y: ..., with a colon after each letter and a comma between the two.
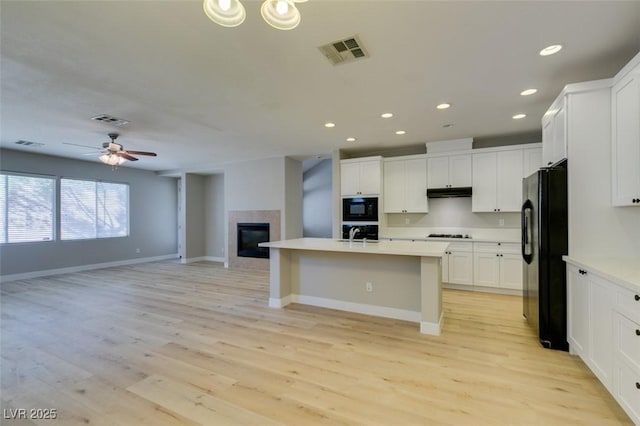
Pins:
x: 26, y: 208
x: 90, y: 209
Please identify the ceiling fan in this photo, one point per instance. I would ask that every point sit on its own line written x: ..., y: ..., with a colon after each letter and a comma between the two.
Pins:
x: 114, y: 153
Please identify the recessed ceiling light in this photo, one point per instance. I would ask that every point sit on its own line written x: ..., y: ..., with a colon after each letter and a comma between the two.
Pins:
x: 519, y: 116
x: 329, y: 125
x: 400, y: 132
x: 446, y: 126
x: 550, y: 50
x: 351, y: 139
x: 386, y: 115
x: 443, y: 106
x: 528, y: 92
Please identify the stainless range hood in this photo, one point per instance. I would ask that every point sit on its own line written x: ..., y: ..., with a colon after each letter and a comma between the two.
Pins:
x: 464, y: 191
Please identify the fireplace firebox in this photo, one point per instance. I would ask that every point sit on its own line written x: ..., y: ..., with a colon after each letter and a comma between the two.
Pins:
x: 249, y: 236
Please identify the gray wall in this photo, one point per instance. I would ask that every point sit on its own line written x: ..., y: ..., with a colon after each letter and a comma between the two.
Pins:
x: 453, y: 212
x: 317, y: 201
x: 152, y: 217
x: 292, y: 199
x: 193, y: 192
x: 215, y: 228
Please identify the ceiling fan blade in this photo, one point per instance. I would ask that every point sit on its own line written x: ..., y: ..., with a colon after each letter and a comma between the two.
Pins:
x: 126, y: 156
x: 152, y: 154
x: 84, y: 146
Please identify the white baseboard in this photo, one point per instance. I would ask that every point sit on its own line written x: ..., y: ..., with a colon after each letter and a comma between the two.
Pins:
x: 71, y: 269
x: 202, y: 259
x: 434, y: 329
x: 480, y: 289
x: 360, y: 308
x: 279, y: 303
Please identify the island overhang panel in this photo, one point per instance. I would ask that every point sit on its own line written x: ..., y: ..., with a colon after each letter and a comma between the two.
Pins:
x: 405, y: 277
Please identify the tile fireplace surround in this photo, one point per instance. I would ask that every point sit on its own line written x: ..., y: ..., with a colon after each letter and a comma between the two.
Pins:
x: 272, y: 217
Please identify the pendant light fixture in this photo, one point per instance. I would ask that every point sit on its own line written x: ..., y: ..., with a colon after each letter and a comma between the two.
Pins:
x: 228, y: 13
x: 280, y: 14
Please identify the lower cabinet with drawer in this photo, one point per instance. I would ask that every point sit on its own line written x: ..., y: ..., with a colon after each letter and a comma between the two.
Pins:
x: 457, y: 265
x: 604, y: 330
x: 497, y: 265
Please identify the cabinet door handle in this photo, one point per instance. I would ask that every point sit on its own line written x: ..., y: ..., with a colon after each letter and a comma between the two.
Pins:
x: 637, y: 385
x: 637, y: 298
x: 637, y: 332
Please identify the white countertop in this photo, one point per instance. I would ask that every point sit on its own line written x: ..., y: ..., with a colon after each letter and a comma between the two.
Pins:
x: 623, y: 271
x: 478, y: 235
x: 402, y: 248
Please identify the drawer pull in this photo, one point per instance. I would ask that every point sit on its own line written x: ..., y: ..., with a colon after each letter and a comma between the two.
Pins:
x: 637, y: 331
x: 637, y: 297
x: 637, y: 385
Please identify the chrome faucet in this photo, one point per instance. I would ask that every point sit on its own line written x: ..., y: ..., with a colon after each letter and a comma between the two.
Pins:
x: 352, y: 233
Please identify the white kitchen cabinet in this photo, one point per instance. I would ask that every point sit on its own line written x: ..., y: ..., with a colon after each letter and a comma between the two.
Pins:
x: 449, y: 171
x: 497, y: 181
x: 601, y: 302
x: 497, y: 265
x: 577, y: 311
x: 532, y: 161
x: 590, y: 321
x: 360, y: 176
x: 405, y: 184
x: 625, y: 139
x: 627, y: 390
x: 457, y: 264
x: 604, y: 330
x: 554, y: 134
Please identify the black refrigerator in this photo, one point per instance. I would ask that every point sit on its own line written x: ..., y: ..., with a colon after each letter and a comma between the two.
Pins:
x: 544, y: 242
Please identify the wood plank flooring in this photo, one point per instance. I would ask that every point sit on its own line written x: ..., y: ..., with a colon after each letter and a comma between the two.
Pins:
x: 170, y: 344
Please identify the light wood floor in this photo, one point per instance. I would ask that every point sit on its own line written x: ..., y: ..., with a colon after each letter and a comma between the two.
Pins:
x: 170, y: 344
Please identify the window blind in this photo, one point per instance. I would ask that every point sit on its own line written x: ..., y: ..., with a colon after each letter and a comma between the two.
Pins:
x: 26, y: 208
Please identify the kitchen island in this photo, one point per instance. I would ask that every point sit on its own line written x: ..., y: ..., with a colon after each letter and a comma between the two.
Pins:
x: 393, y: 279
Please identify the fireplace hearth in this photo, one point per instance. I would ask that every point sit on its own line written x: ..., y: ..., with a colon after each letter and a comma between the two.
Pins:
x: 249, y: 236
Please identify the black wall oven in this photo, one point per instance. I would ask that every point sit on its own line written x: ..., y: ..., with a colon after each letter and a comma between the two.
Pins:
x: 359, y: 209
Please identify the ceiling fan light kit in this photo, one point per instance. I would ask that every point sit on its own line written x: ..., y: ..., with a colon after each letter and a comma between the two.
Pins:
x: 115, y: 155
x: 280, y: 14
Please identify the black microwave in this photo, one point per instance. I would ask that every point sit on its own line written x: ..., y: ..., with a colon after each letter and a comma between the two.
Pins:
x: 359, y: 209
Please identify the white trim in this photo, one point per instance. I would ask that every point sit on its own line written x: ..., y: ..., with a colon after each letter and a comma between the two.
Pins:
x: 48, y: 272
x: 202, y: 259
x: 435, y: 329
x: 496, y: 290
x: 360, y: 308
x: 279, y: 303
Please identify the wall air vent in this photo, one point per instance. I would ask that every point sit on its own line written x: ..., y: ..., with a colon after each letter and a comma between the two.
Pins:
x: 118, y: 122
x: 29, y: 144
x: 343, y: 51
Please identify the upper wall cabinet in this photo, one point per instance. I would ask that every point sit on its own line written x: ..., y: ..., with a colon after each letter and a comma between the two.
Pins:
x: 449, y: 171
x: 554, y: 134
x: 497, y: 181
x: 625, y: 138
x: 532, y: 161
x: 360, y: 176
x: 405, y: 184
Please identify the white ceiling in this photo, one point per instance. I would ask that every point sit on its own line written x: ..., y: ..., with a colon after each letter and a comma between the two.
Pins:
x: 200, y: 95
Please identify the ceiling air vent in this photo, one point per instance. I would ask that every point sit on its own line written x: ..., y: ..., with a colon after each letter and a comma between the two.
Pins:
x: 343, y: 51
x: 118, y: 122
x: 30, y: 144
